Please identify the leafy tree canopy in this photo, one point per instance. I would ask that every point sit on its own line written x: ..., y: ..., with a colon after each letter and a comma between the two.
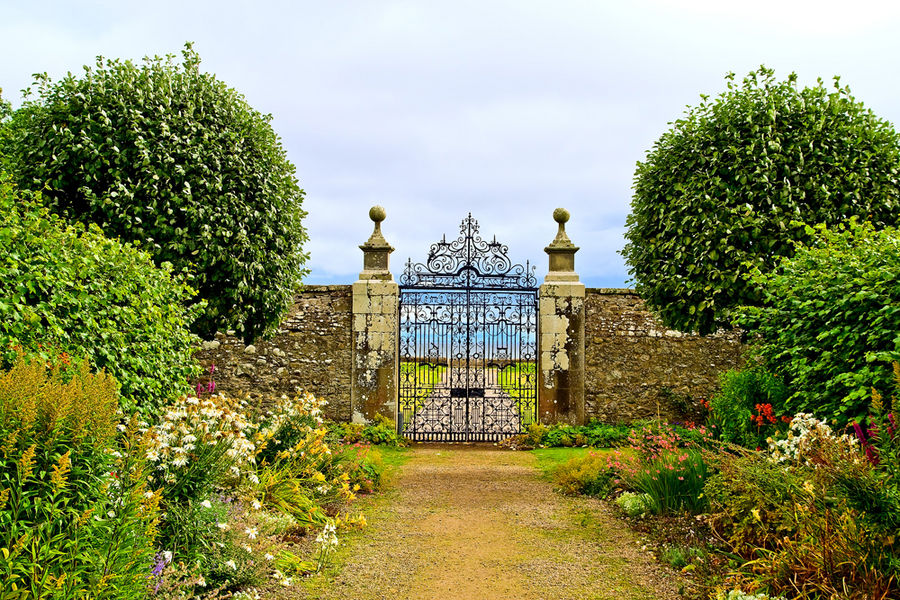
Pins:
x: 169, y: 157
x: 829, y: 323
x: 718, y: 192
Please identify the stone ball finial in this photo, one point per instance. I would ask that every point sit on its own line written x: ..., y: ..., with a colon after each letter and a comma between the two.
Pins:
x: 377, y: 213
x: 560, y: 215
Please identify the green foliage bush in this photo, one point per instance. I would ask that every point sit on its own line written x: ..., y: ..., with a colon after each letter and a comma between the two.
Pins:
x: 74, y: 518
x: 381, y: 431
x: 822, y: 525
x: 673, y: 482
x: 590, y: 475
x: 595, y: 434
x: 830, y: 321
x: 166, y: 156
x: 634, y: 504
x: 71, y: 288
x: 718, y: 192
x: 733, y: 407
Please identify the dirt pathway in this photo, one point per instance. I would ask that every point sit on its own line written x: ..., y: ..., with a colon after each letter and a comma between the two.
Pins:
x: 478, y: 523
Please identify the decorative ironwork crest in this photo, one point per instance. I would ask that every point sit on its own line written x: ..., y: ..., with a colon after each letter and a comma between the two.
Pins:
x: 468, y: 262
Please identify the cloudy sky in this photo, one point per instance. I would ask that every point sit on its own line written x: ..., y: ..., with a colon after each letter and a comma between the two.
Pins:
x: 505, y: 109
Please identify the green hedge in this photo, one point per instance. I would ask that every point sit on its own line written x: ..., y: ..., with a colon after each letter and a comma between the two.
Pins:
x: 69, y: 288
x: 830, y: 321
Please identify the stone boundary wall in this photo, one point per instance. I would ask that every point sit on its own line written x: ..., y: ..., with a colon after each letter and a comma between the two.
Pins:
x: 310, y: 351
x: 631, y: 359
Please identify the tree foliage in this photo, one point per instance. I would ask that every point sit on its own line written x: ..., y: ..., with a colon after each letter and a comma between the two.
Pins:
x: 68, y: 288
x: 829, y: 323
x: 170, y: 158
x: 717, y: 193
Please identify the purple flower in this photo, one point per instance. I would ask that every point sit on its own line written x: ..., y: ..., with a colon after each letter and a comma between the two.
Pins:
x: 211, y: 386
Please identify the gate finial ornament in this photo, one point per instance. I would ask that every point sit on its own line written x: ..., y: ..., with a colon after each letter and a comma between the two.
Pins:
x: 561, y: 251
x: 376, y: 251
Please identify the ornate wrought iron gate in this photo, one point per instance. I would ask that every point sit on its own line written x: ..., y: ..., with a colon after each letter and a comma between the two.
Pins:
x: 468, y: 342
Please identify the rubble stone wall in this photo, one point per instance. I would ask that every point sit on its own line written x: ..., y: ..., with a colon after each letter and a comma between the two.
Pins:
x: 311, y: 351
x: 634, y: 366
x: 632, y: 362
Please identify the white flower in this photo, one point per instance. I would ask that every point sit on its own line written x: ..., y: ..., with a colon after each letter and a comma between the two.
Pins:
x: 200, y: 581
x: 230, y: 563
x: 251, y: 532
x: 248, y: 549
x: 206, y: 504
x: 148, y: 494
x: 152, y: 455
x: 168, y: 556
x: 180, y: 461
x: 256, y: 505
x: 269, y: 557
x: 253, y: 478
x: 223, y: 526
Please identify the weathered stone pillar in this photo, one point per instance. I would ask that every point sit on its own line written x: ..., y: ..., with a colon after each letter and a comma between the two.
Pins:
x: 561, y: 352
x: 375, y: 313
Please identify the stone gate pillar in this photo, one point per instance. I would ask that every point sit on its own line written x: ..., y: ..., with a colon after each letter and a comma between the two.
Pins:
x: 375, y: 313
x: 561, y: 347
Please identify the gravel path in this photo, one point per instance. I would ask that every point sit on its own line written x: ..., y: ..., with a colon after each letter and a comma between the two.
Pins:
x: 478, y: 523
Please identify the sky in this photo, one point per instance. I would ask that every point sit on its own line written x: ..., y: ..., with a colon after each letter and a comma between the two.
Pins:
x: 434, y: 109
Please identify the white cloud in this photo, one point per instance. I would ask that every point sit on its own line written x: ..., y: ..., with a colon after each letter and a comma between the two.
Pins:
x: 507, y: 109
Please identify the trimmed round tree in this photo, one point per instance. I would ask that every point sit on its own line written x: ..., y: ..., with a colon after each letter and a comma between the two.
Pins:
x: 170, y: 158
x: 723, y: 190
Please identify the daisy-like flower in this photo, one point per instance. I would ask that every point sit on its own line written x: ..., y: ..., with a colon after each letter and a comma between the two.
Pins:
x: 256, y: 504
x: 231, y: 563
x: 180, y: 460
x: 206, y: 504
x: 251, y: 532
x: 269, y: 557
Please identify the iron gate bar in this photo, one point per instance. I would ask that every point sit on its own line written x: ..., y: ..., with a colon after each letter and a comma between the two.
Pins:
x: 470, y: 308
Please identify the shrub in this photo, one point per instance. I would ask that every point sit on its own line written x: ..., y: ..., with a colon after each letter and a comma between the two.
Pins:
x: 673, y: 482
x: 717, y: 194
x: 76, y: 516
x: 382, y: 432
x: 595, y: 434
x: 829, y: 326
x: 70, y: 288
x: 590, y: 475
x: 198, y: 445
x: 163, y: 154
x: 744, y: 407
x: 819, y: 526
x: 633, y: 504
